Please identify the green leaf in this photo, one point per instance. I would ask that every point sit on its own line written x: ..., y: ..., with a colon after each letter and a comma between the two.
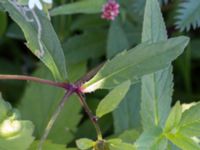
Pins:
x: 139, y: 5
x: 117, y: 40
x: 85, y: 46
x: 190, y: 122
x: 112, y: 100
x: 84, y: 143
x: 151, y: 139
x: 3, y: 20
x: 127, y: 115
x: 117, y: 144
x: 84, y: 6
x: 188, y: 15
x: 132, y: 64
x: 47, y: 48
x: 42, y: 101
x: 173, y: 118
x: 48, y: 145
x: 154, y: 29
x: 183, y: 142
x: 88, y: 22
x: 129, y: 136
x: 14, y: 132
x: 157, y: 87
x: 156, y: 98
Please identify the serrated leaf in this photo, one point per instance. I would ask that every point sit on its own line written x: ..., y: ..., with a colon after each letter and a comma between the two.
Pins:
x: 84, y: 143
x: 156, y: 87
x: 133, y: 64
x: 154, y: 29
x: 112, y: 100
x: 84, y: 6
x: 190, y: 122
x: 188, y: 15
x: 48, y: 49
x: 15, y: 133
x: 42, y: 101
x: 151, y: 139
x: 173, y: 118
x: 183, y: 142
x: 127, y: 115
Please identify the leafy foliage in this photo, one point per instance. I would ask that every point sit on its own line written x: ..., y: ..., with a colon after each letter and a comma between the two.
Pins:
x: 14, y: 132
x: 49, y: 98
x: 131, y: 92
x: 157, y: 87
x: 87, y: 6
x: 41, y: 38
x: 112, y: 100
x: 188, y: 15
x: 132, y: 64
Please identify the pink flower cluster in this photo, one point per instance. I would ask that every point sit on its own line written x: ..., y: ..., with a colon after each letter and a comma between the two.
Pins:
x: 110, y: 10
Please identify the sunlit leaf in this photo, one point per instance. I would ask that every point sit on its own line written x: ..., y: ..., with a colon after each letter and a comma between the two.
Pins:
x: 112, y: 100
x: 143, y: 59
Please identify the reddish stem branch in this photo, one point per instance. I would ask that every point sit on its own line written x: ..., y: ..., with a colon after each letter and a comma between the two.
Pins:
x: 92, y: 117
x: 34, y: 79
x: 54, y: 117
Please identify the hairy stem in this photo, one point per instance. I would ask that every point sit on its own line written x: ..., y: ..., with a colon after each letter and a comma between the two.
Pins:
x: 53, y: 118
x: 34, y: 79
x: 92, y: 117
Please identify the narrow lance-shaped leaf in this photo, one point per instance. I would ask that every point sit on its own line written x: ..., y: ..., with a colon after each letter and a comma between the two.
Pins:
x: 156, y: 87
x: 131, y: 65
x: 112, y: 100
x: 41, y: 37
x: 85, y: 6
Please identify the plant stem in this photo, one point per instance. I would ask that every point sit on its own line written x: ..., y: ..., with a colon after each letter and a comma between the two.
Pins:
x: 34, y: 79
x: 92, y: 117
x: 54, y: 117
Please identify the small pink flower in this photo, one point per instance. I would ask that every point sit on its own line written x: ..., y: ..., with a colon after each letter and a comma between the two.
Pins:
x: 110, y: 10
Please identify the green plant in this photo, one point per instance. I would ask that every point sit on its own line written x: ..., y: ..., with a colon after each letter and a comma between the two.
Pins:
x: 138, y: 80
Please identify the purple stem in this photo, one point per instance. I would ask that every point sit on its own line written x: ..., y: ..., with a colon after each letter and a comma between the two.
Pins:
x: 35, y: 79
x: 92, y: 117
x: 54, y: 117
